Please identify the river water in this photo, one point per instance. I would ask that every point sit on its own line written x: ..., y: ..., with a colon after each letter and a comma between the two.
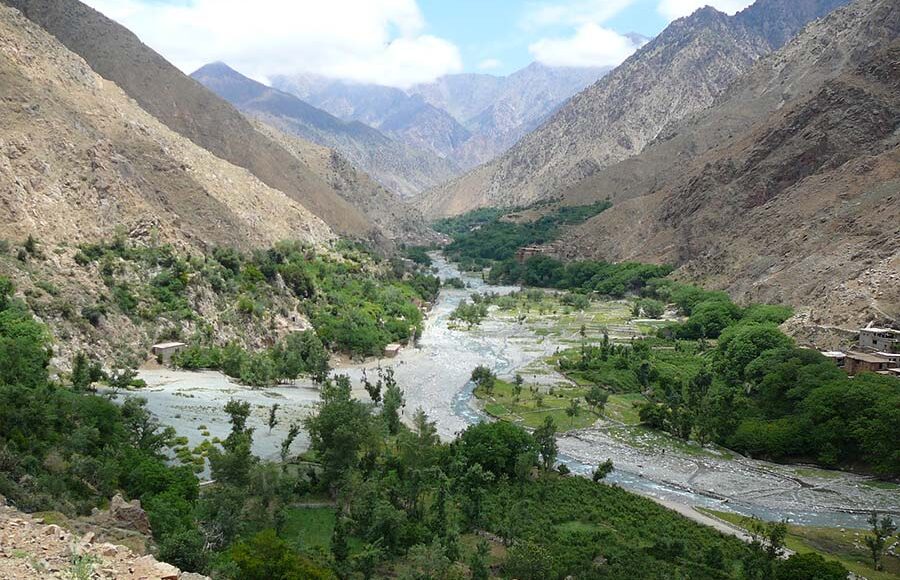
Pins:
x: 435, y: 378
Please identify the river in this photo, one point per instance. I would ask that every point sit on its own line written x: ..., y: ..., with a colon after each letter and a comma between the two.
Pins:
x: 435, y: 378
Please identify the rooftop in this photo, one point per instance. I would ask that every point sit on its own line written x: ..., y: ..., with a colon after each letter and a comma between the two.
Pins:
x: 168, y: 345
x: 888, y: 330
x: 871, y: 358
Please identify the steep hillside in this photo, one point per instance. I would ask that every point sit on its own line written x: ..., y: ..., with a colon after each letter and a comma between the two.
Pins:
x: 398, y: 220
x: 679, y: 72
x: 467, y: 118
x: 186, y: 107
x: 80, y: 160
x: 398, y: 166
x: 786, y: 190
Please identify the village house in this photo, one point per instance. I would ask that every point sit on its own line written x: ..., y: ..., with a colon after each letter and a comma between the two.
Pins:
x: 526, y: 252
x: 879, y: 340
x: 392, y: 350
x: 859, y: 362
x: 164, y: 351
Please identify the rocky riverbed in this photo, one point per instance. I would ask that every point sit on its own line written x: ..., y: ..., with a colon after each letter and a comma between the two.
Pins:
x: 435, y: 377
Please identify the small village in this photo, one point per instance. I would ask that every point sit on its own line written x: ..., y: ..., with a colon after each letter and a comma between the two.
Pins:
x: 877, y: 351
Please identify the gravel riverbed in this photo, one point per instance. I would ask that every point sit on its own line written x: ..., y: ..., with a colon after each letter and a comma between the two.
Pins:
x: 435, y: 378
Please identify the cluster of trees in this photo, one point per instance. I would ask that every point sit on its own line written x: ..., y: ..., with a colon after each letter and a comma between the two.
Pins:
x: 471, y: 313
x: 614, y: 280
x: 355, y: 304
x: 483, y: 236
x: 405, y: 500
x: 753, y: 390
x: 299, y: 353
x: 66, y: 449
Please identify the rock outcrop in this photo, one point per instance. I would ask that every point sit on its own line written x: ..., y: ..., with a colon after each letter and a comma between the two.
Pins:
x: 33, y: 550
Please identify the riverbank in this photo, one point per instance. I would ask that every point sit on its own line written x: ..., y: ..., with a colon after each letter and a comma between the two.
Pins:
x: 435, y: 378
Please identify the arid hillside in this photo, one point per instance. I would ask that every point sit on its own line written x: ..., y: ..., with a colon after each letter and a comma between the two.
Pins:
x: 680, y: 72
x: 184, y: 106
x: 788, y: 190
x: 81, y: 160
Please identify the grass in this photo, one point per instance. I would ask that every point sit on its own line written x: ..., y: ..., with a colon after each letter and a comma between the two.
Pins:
x: 312, y: 528
x: 622, y: 408
x: 830, y: 543
x: 502, y: 404
x: 881, y: 484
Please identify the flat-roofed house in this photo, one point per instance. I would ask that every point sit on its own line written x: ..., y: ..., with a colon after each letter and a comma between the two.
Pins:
x: 860, y: 362
x: 165, y: 350
x: 873, y: 339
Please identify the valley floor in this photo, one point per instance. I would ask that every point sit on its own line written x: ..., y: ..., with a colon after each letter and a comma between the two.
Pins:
x: 435, y: 377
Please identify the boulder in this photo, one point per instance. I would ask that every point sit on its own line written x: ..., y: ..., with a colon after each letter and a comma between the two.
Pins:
x: 129, y: 515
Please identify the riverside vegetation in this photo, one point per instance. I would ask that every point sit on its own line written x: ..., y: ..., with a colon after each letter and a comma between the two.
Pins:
x: 405, y: 504
x: 725, y: 374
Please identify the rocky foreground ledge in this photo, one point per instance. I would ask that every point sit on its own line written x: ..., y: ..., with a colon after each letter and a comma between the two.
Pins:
x: 31, y: 549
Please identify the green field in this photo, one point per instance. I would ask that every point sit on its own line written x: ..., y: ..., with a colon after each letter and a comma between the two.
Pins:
x: 831, y: 543
x: 525, y: 411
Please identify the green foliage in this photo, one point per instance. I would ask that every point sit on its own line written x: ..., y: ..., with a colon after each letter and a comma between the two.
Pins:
x: 809, y: 566
x: 614, y: 280
x: 265, y: 556
x: 483, y: 236
x: 499, y: 448
x: 472, y: 314
x: 339, y: 429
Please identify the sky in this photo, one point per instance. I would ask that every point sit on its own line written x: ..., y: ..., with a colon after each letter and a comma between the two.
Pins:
x: 396, y: 42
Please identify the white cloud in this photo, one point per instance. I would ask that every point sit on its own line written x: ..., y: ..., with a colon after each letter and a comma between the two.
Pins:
x: 591, y: 45
x: 489, y: 64
x: 381, y: 41
x: 673, y: 9
x: 571, y: 12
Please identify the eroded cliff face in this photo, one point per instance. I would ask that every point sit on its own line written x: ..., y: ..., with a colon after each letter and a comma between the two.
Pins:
x: 678, y: 73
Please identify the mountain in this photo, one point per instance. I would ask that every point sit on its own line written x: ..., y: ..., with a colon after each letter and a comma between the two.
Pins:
x: 406, y: 118
x: 787, y: 190
x: 399, y: 167
x: 398, y: 220
x: 681, y: 71
x: 187, y: 108
x: 467, y: 119
x: 80, y: 161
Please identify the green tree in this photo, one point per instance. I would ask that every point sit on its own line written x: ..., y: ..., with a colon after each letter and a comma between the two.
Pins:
x: 484, y: 378
x: 545, y: 438
x: 596, y: 397
x: 339, y: 429
x: 602, y: 471
x: 497, y: 447
x: 882, y: 529
x: 265, y: 556
x: 573, y: 410
x: 85, y: 372
x: 393, y: 400
x: 273, y: 416
x: 810, y: 566
x: 478, y: 564
x: 518, y: 381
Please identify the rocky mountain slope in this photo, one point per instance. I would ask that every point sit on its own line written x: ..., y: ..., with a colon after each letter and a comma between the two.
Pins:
x: 80, y: 160
x: 399, y: 167
x: 187, y: 108
x: 395, y: 218
x: 467, y: 119
x: 788, y: 190
x: 679, y: 72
